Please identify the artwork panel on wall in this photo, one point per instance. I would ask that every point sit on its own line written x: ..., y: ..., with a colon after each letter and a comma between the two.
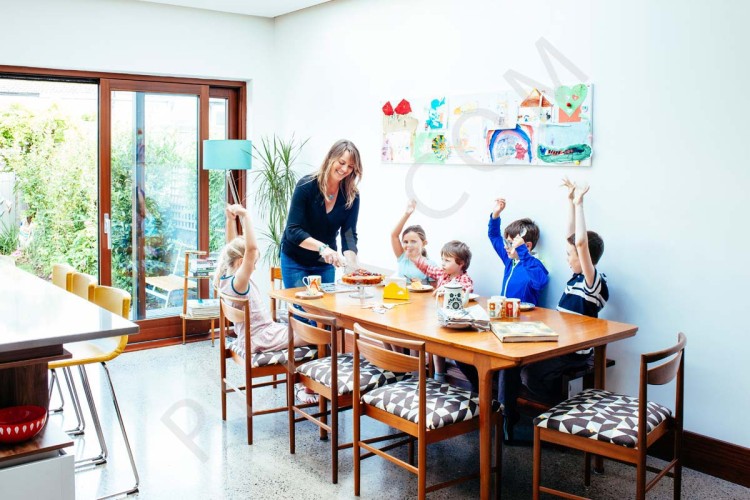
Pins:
x: 497, y: 128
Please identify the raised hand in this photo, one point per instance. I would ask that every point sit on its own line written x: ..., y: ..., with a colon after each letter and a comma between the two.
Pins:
x: 410, y: 206
x: 580, y: 191
x: 570, y: 186
x: 499, y: 207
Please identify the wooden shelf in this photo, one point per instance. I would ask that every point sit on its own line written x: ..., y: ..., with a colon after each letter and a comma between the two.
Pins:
x: 50, y: 439
x: 187, y: 277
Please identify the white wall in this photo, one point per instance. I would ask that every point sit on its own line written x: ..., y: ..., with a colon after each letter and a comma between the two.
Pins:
x: 143, y: 38
x: 668, y: 172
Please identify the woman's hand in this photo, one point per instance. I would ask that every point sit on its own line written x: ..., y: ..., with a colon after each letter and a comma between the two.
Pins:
x: 331, y: 256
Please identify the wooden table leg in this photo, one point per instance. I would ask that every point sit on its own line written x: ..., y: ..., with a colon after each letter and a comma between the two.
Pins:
x: 485, y: 429
x: 600, y: 382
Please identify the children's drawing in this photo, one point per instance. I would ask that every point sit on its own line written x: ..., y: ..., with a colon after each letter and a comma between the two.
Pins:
x: 492, y: 128
x: 566, y: 143
x: 510, y: 146
x: 535, y: 108
x: 398, y: 133
x: 436, y: 112
x: 431, y: 147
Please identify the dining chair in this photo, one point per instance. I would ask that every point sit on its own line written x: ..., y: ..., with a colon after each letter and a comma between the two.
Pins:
x: 258, y: 365
x: 82, y: 285
x: 61, y: 275
x: 422, y: 408
x: 619, y: 427
x: 330, y: 376
x: 101, y: 351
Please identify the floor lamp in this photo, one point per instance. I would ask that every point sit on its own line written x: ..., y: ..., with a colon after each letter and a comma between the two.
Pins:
x: 228, y: 155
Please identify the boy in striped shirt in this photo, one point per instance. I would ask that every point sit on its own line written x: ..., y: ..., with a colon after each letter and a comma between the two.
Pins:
x: 585, y: 293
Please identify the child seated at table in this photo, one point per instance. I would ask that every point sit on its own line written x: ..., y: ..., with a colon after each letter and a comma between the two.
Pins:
x: 409, y: 243
x: 524, y: 276
x: 456, y: 257
x: 233, y: 277
x: 585, y: 293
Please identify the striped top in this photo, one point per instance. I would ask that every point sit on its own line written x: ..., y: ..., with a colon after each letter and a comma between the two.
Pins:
x: 580, y: 299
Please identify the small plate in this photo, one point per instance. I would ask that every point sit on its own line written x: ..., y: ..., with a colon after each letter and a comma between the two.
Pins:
x: 527, y: 306
x: 473, y: 296
x: 305, y: 295
x: 458, y: 326
x: 425, y: 288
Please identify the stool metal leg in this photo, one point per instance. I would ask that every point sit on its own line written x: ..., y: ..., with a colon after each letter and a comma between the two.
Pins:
x: 133, y: 489
x: 102, y: 457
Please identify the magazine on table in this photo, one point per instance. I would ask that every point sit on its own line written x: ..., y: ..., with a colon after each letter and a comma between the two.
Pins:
x: 523, y: 331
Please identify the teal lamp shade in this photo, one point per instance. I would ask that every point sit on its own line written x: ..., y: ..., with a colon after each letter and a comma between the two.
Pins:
x: 232, y: 154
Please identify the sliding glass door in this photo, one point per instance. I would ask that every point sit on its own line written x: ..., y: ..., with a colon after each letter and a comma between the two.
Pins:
x: 154, y: 193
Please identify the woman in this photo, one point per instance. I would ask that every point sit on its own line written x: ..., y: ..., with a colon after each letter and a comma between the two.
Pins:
x: 323, y: 205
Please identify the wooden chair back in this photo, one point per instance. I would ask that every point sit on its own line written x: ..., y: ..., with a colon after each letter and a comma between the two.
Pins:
x: 83, y: 285
x: 276, y: 283
x: 323, y: 333
x: 384, y: 358
x: 61, y: 275
x: 234, y: 309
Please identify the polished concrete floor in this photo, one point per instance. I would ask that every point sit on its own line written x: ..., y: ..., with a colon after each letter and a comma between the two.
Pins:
x: 170, y: 399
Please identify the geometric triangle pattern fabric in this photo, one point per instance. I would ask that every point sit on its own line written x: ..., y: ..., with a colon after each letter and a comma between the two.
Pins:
x: 602, y: 415
x: 302, y: 353
x: 370, y: 375
x: 445, y: 405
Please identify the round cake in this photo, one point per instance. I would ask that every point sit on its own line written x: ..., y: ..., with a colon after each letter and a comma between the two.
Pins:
x: 362, y: 277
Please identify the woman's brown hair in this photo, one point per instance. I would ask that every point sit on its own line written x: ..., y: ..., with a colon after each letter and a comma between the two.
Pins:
x: 351, y: 180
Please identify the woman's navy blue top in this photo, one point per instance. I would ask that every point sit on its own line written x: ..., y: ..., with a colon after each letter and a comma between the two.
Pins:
x: 308, y: 218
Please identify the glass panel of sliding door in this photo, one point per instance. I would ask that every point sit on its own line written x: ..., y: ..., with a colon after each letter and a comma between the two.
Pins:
x: 154, y: 191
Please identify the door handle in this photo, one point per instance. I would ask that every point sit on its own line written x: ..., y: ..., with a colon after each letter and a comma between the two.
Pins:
x: 108, y: 230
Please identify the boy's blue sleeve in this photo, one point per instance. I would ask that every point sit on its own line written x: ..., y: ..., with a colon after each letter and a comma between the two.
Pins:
x: 538, y: 274
x: 496, y: 238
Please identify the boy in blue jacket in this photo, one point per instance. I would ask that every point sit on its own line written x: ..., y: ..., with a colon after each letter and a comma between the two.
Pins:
x: 524, y: 278
x: 524, y: 275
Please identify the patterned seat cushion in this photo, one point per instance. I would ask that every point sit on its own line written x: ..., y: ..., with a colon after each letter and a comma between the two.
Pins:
x: 445, y: 404
x: 301, y: 354
x: 602, y: 415
x: 370, y: 376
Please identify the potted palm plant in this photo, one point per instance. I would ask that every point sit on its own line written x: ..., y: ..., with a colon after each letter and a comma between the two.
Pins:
x: 276, y: 181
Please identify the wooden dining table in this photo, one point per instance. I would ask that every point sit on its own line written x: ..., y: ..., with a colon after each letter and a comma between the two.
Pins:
x: 417, y: 319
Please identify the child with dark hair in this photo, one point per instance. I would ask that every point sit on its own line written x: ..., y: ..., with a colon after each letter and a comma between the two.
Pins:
x: 456, y: 257
x: 585, y: 293
x: 525, y: 275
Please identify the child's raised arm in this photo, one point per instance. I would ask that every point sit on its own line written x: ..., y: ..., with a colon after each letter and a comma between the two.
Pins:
x: 396, y: 233
x: 571, y: 187
x: 243, y: 273
x: 582, y: 239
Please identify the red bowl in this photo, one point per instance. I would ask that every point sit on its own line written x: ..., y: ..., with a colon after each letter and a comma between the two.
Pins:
x: 20, y: 423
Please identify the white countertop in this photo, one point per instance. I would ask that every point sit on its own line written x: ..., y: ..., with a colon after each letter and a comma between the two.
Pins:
x: 36, y: 313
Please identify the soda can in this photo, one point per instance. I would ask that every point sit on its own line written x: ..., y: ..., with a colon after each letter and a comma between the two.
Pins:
x: 512, y: 308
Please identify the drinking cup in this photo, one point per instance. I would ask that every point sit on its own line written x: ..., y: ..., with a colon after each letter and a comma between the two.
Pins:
x: 312, y: 283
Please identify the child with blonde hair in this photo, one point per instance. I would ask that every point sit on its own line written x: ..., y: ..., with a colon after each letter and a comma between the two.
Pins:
x: 233, y: 277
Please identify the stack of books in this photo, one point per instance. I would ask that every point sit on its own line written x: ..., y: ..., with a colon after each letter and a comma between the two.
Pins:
x: 203, y: 308
x: 523, y: 331
x: 203, y: 267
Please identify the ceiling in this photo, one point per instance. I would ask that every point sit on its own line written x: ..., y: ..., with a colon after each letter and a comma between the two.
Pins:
x: 261, y: 8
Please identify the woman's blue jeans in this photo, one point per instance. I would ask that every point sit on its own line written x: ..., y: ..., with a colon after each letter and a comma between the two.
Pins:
x: 292, y: 273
